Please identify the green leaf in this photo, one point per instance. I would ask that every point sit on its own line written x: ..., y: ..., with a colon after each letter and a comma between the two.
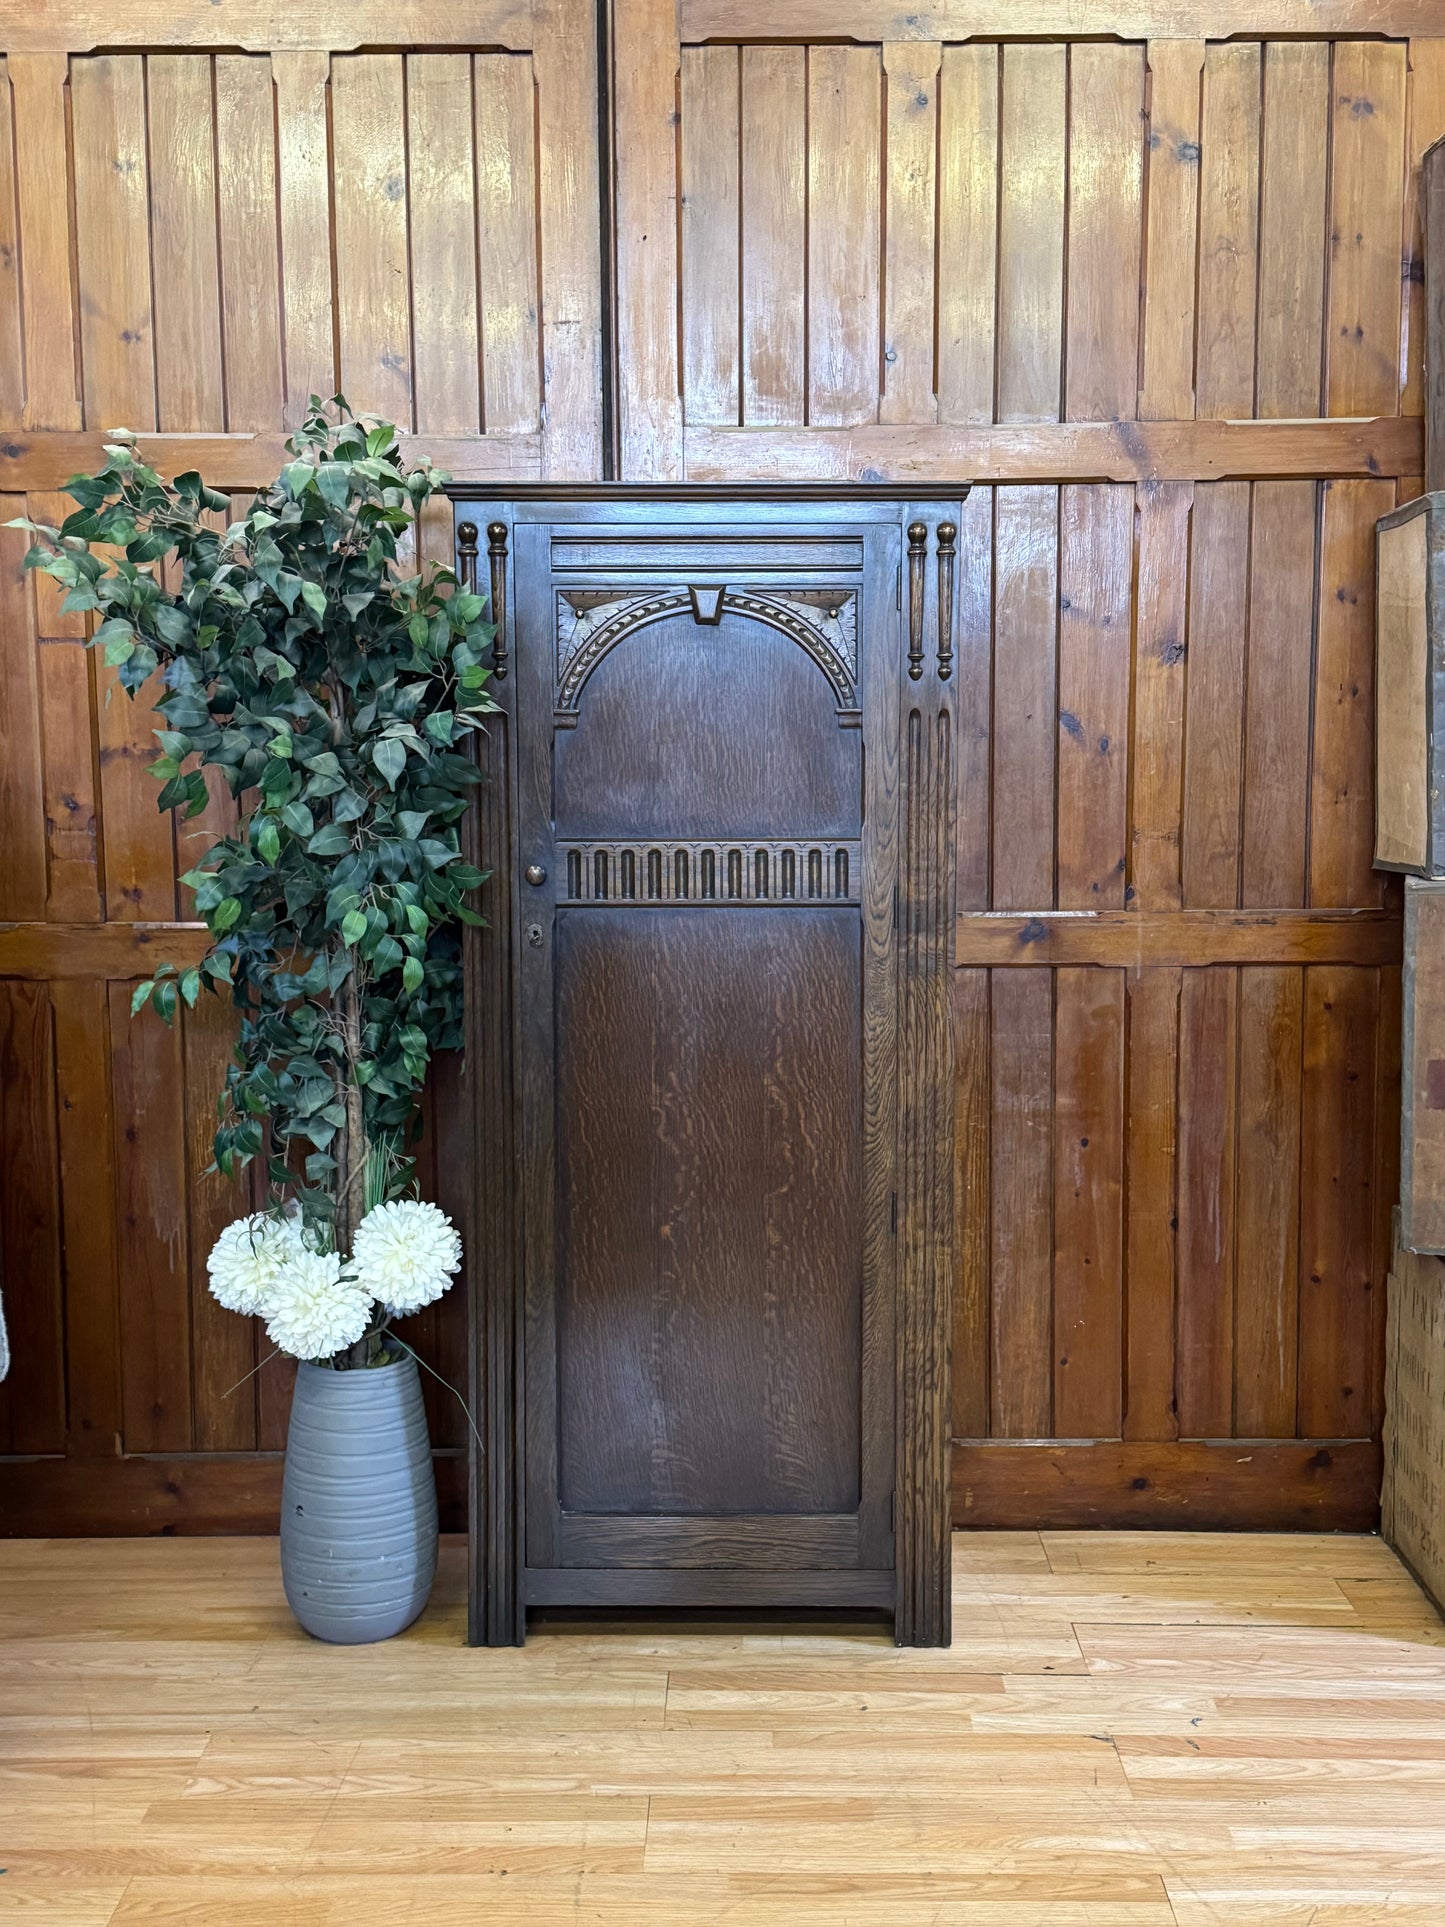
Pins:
x: 334, y: 483
x: 353, y: 926
x: 226, y: 914
x: 190, y: 982
x: 389, y: 755
x: 141, y: 995
x: 314, y: 596
x: 330, y: 840
x: 297, y: 477
x: 412, y: 974
x: 268, y: 841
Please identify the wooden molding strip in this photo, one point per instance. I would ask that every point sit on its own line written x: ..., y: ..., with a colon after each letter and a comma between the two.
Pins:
x: 188, y: 1493
x: 955, y: 20
x: 47, y: 460
x: 1200, y: 1485
x: 1142, y: 939
x: 107, y: 952
x: 262, y: 26
x: 1273, y: 1485
x: 1190, y: 451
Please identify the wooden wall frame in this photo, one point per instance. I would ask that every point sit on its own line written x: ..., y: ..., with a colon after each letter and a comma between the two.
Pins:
x: 906, y: 926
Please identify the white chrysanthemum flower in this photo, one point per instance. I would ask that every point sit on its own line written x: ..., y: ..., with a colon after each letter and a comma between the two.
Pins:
x: 406, y: 1254
x: 248, y: 1258
x: 316, y: 1308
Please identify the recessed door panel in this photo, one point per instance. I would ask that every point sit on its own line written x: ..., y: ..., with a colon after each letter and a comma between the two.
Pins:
x: 709, y: 1165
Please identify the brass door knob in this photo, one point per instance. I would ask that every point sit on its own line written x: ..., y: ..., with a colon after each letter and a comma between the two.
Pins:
x: 535, y: 874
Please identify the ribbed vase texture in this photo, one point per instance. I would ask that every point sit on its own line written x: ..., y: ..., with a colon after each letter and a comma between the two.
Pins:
x: 358, y: 1503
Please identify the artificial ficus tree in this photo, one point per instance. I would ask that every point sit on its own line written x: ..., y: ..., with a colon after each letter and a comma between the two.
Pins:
x: 333, y: 684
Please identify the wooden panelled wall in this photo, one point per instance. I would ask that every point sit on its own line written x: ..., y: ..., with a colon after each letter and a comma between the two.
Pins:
x: 1158, y: 293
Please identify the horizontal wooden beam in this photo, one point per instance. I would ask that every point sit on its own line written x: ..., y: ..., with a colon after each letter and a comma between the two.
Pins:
x: 1201, y: 1485
x: 988, y: 939
x: 262, y: 26
x: 1276, y: 1485
x: 139, y: 1495
x: 1050, y: 451
x: 1141, y: 939
x: 106, y: 952
x: 1199, y: 451
x: 883, y: 20
x: 47, y: 460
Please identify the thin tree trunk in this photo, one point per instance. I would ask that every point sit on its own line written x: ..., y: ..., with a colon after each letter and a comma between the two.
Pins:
x: 351, y: 1165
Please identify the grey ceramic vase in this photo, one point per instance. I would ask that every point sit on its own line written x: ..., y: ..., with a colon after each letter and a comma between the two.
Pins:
x: 358, y: 1502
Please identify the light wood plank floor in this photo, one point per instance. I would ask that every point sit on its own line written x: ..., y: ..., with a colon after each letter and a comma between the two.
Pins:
x: 1129, y: 1731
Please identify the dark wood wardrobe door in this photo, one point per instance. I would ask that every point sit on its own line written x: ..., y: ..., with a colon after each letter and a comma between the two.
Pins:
x: 708, y: 831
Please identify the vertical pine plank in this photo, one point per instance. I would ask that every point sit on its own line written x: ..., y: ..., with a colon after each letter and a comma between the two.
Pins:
x: 1425, y: 124
x: 507, y: 241
x: 1385, y: 1165
x: 1166, y: 387
x: 565, y: 66
x: 1026, y: 565
x: 23, y: 880
x: 973, y: 692
x: 68, y: 767
x: 911, y: 70
x: 113, y: 241
x: 1031, y: 232
x: 1151, y: 1115
x: 150, y: 1166
x: 1342, y: 825
x: 32, y: 1399
x: 972, y: 1231
x: 774, y: 197
x: 12, y: 353
x: 1294, y: 143
x: 304, y: 198
x: 1214, y: 715
x: 1150, y: 1409
x: 967, y: 231
x: 1367, y: 165
x: 1337, y: 1202
x: 189, y: 383
x: 844, y: 130
x: 250, y: 241
x: 1088, y: 1202
x: 1207, y: 1156
x: 443, y: 243
x: 1156, y: 798
x: 1021, y: 1181
x: 1096, y: 567
x: 84, y: 1107
x: 112, y: 224
x: 457, y: 1177
x: 48, y: 292
x: 1105, y: 162
x: 372, y: 269
x: 710, y: 234
x: 138, y: 840
x: 649, y: 379
x: 1228, y: 231
x: 1266, y: 1319
x: 1277, y: 696
x: 223, y: 1345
